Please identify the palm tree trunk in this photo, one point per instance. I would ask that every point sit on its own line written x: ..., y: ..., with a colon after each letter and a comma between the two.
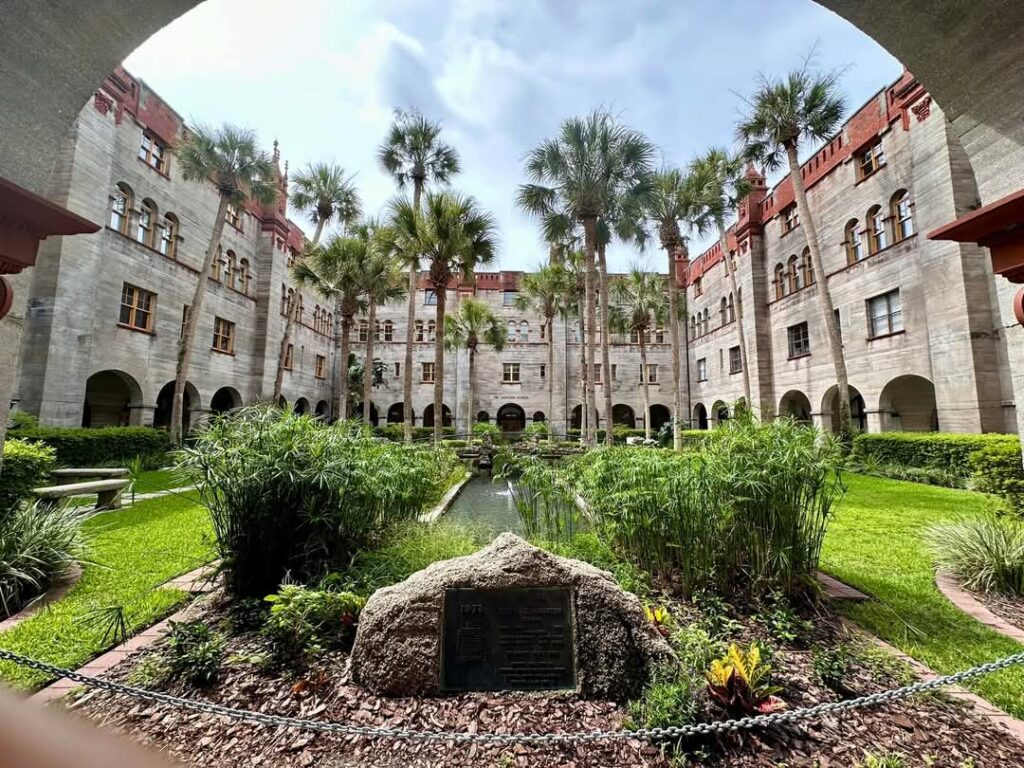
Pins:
x: 368, y: 367
x: 589, y: 229
x: 414, y: 274
x: 585, y: 408
x: 289, y: 322
x: 442, y: 298
x: 606, y: 366
x: 647, y: 386
x: 346, y: 346
x: 828, y: 317
x: 469, y: 394
x: 337, y: 412
x: 742, y: 334
x: 192, y: 324
x: 551, y: 376
x: 673, y: 323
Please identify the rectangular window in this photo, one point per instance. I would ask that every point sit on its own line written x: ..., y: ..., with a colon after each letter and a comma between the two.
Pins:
x: 869, y: 160
x: 702, y: 369
x: 543, y: 370
x: 659, y: 336
x: 543, y: 331
x: 652, y: 373
x: 430, y: 297
x: 137, y: 306
x: 233, y: 217
x: 510, y: 373
x: 597, y: 373
x: 698, y: 289
x: 839, y: 324
x: 427, y: 373
x: 153, y: 153
x: 799, y: 340
x: 398, y: 370
x: 735, y: 360
x: 321, y: 367
x: 790, y: 219
x: 289, y: 357
x: 223, y: 335
x: 885, y: 314
x: 508, y: 298
x: 184, y: 321
x: 389, y: 331
x: 615, y: 372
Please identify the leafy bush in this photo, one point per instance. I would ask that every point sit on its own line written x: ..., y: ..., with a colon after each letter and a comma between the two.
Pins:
x: 833, y: 665
x: 287, y: 493
x: 590, y: 548
x: 925, y: 449
x: 987, y: 553
x: 543, y: 499
x: 396, y: 432
x: 779, y: 619
x: 22, y: 420
x: 81, y: 447
x: 482, y: 428
x: 673, y: 696
x: 997, y: 469
x: 25, y: 466
x: 694, y: 646
x: 739, y: 682
x: 37, y: 546
x: 305, y: 622
x: 691, y: 438
x: 195, y: 652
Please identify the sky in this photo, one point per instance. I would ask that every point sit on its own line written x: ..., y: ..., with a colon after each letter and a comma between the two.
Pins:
x: 324, y: 76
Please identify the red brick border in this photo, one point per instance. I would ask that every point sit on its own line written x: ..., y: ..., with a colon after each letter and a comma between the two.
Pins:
x: 966, y: 602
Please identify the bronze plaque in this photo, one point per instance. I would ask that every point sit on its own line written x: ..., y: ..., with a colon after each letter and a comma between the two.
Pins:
x: 508, y: 640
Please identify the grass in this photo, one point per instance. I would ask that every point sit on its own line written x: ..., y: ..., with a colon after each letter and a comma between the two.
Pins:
x: 158, y: 480
x: 130, y: 552
x: 876, y: 544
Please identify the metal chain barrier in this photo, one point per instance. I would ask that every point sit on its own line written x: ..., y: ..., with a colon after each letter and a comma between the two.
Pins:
x: 649, y: 734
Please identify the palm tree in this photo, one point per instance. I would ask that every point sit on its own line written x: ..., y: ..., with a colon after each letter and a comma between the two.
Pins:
x: 334, y: 270
x: 805, y: 105
x: 582, y: 172
x: 325, y: 193
x: 640, y: 305
x: 720, y: 185
x: 669, y: 203
x: 383, y: 281
x: 413, y: 152
x: 472, y: 325
x: 543, y: 292
x: 455, y: 236
x: 229, y: 158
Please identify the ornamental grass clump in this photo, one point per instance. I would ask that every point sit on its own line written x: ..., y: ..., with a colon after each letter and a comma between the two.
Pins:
x: 986, y: 553
x: 289, y: 494
x: 543, y: 499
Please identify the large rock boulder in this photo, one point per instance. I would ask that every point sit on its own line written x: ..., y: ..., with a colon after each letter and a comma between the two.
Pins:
x: 398, y: 645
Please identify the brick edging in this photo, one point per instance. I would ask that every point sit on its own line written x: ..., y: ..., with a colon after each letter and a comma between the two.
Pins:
x: 966, y: 602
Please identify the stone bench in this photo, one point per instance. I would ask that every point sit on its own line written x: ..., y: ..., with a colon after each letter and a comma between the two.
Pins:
x: 73, y: 474
x: 108, y: 492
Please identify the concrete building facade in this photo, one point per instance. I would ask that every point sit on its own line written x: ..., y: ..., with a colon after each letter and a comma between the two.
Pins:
x: 923, y: 339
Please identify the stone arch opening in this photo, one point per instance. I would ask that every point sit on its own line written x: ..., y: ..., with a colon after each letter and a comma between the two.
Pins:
x: 428, y: 416
x: 830, y: 410
x: 483, y: 417
x: 112, y: 399
x: 660, y: 416
x: 396, y: 414
x: 576, y: 418
x: 323, y: 409
x: 164, y: 401
x: 796, y: 405
x: 301, y: 406
x: 907, y: 404
x: 225, y: 399
x: 374, y: 415
x: 623, y: 415
x: 511, y: 418
x: 720, y: 412
x: 700, y: 417
x: 539, y: 417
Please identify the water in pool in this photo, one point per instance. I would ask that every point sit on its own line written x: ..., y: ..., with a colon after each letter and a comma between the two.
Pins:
x: 486, y: 505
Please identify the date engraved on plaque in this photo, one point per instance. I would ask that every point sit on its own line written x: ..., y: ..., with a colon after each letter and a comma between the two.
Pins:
x: 508, y: 639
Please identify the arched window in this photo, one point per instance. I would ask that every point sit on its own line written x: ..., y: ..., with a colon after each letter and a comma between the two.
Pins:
x: 431, y: 330
x: 121, y: 208
x: 376, y: 330
x: 511, y: 325
x: 290, y: 303
x: 284, y: 299
x: 244, y: 276
x: 853, y: 243
x: 419, y: 330
x: 732, y: 309
x: 792, y: 274
x: 780, y: 281
x: 218, y: 265
x: 707, y: 321
x: 364, y: 330
x: 230, y: 269
x: 723, y: 310
x: 902, y: 214
x: 524, y: 331
x: 300, y: 310
x: 634, y: 336
x: 330, y: 324
x: 878, y: 238
x: 316, y: 317
x: 145, y: 231
x: 807, y: 267
x: 169, y: 236
x: 693, y: 327
x: 389, y: 330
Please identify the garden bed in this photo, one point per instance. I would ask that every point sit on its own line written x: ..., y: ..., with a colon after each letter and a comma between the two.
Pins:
x: 1006, y: 607
x: 932, y: 726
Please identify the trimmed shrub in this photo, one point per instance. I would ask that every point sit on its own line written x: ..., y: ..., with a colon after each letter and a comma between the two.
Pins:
x: 195, y: 652
x: 997, y: 469
x: 986, y: 553
x: 82, y: 447
x: 303, y: 623
x: 25, y: 466
x: 22, y: 420
x: 926, y: 449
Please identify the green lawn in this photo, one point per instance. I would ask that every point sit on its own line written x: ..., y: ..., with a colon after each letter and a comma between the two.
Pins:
x: 131, y: 552
x: 875, y: 544
x: 158, y: 480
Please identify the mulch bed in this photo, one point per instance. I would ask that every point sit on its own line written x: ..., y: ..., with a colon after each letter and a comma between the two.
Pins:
x: 1009, y: 609
x: 931, y: 727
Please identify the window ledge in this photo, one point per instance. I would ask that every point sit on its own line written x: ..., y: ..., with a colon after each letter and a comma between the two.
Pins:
x: 879, y: 252
x: 512, y: 383
x: 734, y: 373
x: 799, y: 357
x: 701, y: 381
x: 886, y: 335
x: 157, y: 171
x: 789, y: 231
x: 151, y: 249
x: 222, y: 351
x: 127, y: 327
x: 867, y: 176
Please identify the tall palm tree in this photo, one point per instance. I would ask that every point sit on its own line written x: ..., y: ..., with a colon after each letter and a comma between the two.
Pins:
x: 413, y: 153
x: 543, y: 292
x: 582, y: 172
x: 640, y: 305
x: 326, y: 194
x: 229, y: 158
x: 334, y: 271
x: 455, y: 236
x: 806, y: 105
x: 383, y: 281
x: 472, y: 325
x: 604, y: 237
x: 720, y: 185
x: 671, y: 202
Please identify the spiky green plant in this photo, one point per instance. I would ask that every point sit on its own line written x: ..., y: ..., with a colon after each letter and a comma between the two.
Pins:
x: 987, y: 553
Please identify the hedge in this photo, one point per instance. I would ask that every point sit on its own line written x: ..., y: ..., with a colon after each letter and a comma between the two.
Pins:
x: 82, y: 447
x: 396, y: 432
x: 927, y: 449
x: 996, y: 469
x: 25, y: 466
